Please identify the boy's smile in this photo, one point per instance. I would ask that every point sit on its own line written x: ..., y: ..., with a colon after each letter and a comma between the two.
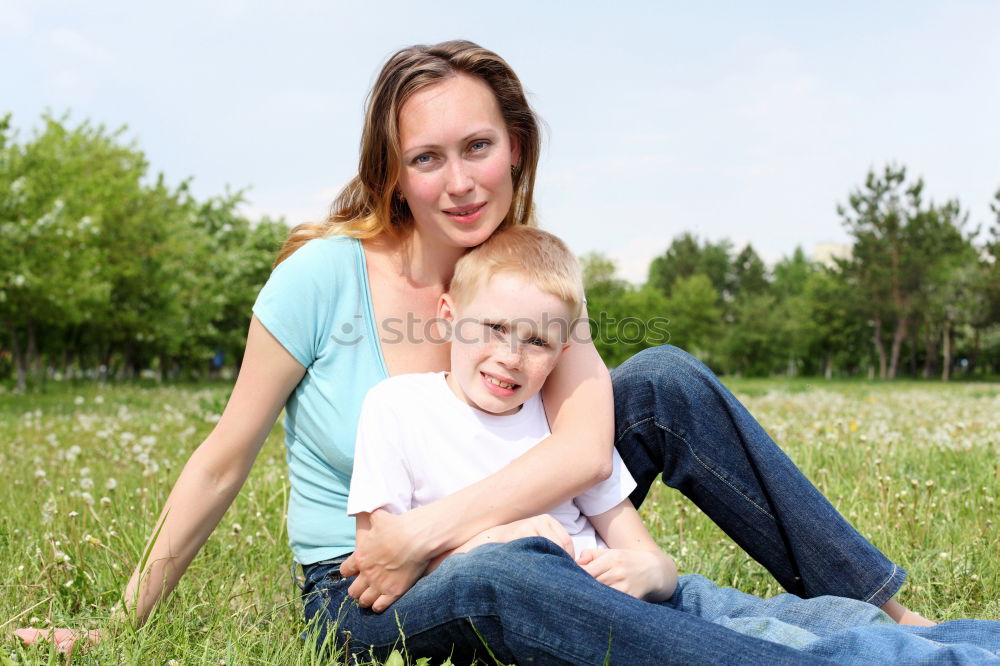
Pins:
x: 506, y: 339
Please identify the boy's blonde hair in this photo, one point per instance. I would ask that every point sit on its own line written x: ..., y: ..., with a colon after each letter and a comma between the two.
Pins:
x: 536, y: 255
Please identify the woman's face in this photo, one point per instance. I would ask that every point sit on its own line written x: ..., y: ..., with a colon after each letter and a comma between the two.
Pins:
x: 457, y: 157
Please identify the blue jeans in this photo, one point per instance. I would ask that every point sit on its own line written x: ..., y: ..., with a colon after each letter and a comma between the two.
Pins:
x: 845, y: 630
x: 527, y: 601
x: 531, y: 604
x: 677, y: 419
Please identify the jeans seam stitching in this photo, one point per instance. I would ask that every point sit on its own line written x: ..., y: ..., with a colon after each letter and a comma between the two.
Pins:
x: 632, y: 427
x: 712, y: 471
x: 883, y: 585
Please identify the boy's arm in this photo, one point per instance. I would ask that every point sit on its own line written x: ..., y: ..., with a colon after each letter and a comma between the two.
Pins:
x: 632, y: 563
x: 381, y: 476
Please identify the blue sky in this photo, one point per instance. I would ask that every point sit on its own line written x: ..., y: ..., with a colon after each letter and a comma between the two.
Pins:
x: 742, y: 120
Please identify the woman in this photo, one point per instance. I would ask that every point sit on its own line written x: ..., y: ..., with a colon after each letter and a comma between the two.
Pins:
x: 449, y: 154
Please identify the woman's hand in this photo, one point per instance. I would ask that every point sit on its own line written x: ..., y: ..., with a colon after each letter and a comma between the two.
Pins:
x: 64, y: 639
x: 644, y: 574
x: 387, y: 559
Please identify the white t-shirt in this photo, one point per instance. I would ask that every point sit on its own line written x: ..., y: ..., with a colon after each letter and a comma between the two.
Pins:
x: 417, y: 442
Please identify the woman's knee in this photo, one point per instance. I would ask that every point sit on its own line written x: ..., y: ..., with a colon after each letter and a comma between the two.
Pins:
x: 659, y: 367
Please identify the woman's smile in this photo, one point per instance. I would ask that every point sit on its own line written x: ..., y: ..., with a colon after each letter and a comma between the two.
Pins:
x: 466, y: 214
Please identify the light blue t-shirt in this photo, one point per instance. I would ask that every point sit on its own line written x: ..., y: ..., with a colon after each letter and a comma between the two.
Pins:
x: 317, y: 303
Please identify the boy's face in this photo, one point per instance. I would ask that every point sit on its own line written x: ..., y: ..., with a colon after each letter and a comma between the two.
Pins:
x: 506, y: 339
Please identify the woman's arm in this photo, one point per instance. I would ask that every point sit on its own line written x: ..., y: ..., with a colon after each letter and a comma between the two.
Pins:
x: 217, y: 469
x: 395, y: 550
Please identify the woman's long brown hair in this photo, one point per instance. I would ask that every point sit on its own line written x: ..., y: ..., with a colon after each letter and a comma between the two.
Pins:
x: 369, y: 205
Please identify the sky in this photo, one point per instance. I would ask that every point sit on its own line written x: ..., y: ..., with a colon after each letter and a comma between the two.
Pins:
x: 746, y: 121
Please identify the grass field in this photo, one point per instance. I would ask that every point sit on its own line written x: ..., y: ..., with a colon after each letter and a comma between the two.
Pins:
x: 85, y: 469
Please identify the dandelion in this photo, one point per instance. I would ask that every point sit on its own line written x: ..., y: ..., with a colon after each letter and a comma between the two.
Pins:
x: 87, y: 498
x: 73, y: 452
x: 110, y: 484
x: 105, y: 501
x: 78, y: 400
x: 39, y: 473
x: 73, y: 514
x: 87, y: 483
x: 48, y: 509
x: 99, y: 400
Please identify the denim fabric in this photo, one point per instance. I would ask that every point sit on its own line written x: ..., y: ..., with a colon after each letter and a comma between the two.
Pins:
x: 844, y: 630
x: 527, y: 602
x: 530, y: 603
x: 672, y: 415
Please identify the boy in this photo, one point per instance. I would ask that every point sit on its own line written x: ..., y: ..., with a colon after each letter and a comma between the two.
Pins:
x: 510, y: 309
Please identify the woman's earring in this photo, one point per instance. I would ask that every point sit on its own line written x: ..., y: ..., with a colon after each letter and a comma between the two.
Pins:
x: 513, y: 169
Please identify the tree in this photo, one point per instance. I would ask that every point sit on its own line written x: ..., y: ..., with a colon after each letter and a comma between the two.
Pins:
x: 63, y: 185
x: 897, y: 241
x: 685, y: 257
x: 695, y: 315
x: 623, y: 319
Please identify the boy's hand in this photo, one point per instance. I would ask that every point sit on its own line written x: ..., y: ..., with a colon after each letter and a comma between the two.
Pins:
x: 643, y: 574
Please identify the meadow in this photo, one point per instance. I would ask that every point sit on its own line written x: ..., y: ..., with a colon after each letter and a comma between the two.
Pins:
x: 86, y: 468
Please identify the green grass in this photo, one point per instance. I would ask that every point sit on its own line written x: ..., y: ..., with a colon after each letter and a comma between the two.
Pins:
x: 86, y: 468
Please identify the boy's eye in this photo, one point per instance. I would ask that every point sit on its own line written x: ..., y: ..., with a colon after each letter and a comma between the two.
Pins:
x: 538, y: 342
x: 496, y: 328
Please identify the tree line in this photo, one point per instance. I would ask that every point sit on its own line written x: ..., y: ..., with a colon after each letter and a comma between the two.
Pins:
x: 107, y: 271
x: 918, y: 294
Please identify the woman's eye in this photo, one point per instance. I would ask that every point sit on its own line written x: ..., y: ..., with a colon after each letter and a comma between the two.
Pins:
x: 421, y: 160
x: 478, y: 146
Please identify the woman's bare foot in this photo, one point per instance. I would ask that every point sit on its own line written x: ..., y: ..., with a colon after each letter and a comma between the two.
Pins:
x: 903, y: 615
x: 65, y: 639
